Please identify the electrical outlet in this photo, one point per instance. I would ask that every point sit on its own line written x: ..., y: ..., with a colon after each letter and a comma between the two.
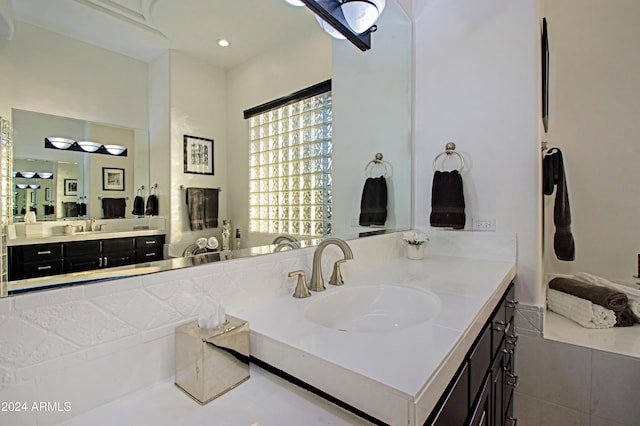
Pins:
x: 484, y: 224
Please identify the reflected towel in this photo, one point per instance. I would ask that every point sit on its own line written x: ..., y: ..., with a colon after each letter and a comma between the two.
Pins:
x: 138, y: 206
x: 553, y: 176
x: 633, y: 294
x: 447, y: 200
x: 202, y: 205
x: 152, y: 205
x: 603, y: 296
x: 373, y: 203
x: 70, y: 208
x: 581, y: 311
x: 113, y: 208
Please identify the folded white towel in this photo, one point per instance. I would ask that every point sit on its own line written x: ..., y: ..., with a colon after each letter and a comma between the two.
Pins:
x: 585, y: 313
x: 632, y: 294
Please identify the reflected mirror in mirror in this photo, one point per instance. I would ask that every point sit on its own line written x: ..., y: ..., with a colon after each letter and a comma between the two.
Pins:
x: 363, y: 124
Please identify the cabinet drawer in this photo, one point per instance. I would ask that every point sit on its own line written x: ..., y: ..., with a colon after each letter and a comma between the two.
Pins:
x: 81, y: 248
x: 510, y: 304
x: 41, y: 252
x: 118, y: 245
x: 149, y: 241
x: 455, y: 406
x: 77, y: 264
x: 42, y: 269
x: 112, y: 260
x: 149, y: 254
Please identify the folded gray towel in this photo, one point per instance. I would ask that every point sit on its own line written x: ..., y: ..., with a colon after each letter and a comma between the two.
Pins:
x: 603, y: 296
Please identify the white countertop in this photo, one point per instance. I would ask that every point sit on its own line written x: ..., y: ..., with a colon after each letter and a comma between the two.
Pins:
x: 82, y: 236
x: 391, y: 373
x: 264, y: 399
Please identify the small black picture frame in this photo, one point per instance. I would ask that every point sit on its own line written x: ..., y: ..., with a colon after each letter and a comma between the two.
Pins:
x: 71, y: 187
x: 112, y: 179
x: 198, y: 155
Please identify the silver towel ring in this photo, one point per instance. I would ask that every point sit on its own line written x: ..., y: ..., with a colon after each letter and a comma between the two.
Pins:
x: 388, y: 169
x: 450, y: 149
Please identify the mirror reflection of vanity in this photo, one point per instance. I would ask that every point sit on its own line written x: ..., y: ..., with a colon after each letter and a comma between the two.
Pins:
x: 133, y: 95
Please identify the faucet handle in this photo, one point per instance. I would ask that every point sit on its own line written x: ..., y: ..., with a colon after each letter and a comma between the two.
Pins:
x: 336, y: 276
x: 301, y: 288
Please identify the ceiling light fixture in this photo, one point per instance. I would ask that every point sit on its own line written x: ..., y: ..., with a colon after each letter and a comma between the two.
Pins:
x: 354, y: 20
x: 295, y: 2
x: 362, y: 14
x: 223, y: 42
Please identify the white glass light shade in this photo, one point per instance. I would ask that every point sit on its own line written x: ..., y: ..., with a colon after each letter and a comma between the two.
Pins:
x: 34, y: 186
x: 44, y: 175
x: 115, y: 149
x: 27, y: 175
x: 360, y: 14
x: 89, y: 146
x: 295, y: 2
x: 329, y: 29
x: 21, y: 185
x: 60, y: 143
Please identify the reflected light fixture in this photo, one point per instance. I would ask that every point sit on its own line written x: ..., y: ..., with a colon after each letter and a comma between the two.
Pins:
x: 21, y: 185
x: 60, y: 143
x: 362, y: 14
x: 295, y: 2
x: 115, y: 149
x: 27, y: 175
x: 89, y: 146
x: 45, y: 175
x: 34, y: 186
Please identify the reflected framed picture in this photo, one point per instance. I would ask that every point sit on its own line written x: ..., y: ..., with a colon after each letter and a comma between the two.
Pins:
x: 198, y: 155
x: 112, y: 179
x: 71, y: 187
x: 47, y: 194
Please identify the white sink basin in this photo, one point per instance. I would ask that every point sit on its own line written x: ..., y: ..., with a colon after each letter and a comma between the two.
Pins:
x: 372, y: 309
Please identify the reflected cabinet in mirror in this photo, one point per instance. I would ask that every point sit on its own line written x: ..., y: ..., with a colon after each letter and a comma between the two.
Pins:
x: 154, y: 91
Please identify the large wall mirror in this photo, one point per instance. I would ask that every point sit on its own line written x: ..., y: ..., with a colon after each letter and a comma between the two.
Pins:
x: 157, y: 98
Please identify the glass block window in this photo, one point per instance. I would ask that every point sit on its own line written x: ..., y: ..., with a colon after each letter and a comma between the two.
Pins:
x: 290, y: 168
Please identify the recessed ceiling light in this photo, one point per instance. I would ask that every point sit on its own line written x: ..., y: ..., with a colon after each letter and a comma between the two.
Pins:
x: 295, y: 2
x: 223, y: 42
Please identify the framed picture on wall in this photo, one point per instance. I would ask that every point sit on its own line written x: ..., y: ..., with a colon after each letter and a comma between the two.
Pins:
x: 198, y: 155
x: 47, y: 194
x: 112, y: 179
x: 71, y: 187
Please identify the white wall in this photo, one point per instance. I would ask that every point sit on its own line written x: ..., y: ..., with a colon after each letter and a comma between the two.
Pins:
x: 594, y: 110
x: 198, y: 100
x: 476, y: 84
x: 371, y: 114
x: 277, y: 73
x: 47, y: 72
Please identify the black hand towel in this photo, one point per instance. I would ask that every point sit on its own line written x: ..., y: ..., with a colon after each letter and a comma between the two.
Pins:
x: 82, y: 209
x: 625, y: 318
x: 114, y: 208
x: 152, y: 205
x: 138, y: 206
x: 202, y: 204
x: 600, y: 295
x: 447, y: 200
x: 553, y: 176
x: 373, y: 204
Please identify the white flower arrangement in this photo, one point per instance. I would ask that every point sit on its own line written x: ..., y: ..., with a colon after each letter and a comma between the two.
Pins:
x: 414, y: 238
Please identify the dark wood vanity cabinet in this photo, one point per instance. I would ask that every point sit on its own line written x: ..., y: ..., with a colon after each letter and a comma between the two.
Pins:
x: 39, y: 260
x: 481, y: 392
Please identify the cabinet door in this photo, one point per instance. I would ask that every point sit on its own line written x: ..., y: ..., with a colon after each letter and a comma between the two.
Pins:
x: 455, y: 406
x: 78, y: 264
x: 497, y: 391
x: 82, y: 249
x: 481, y: 413
x: 118, y: 245
x: 479, y: 362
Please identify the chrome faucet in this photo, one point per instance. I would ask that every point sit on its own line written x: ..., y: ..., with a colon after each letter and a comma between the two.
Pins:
x: 317, y: 281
